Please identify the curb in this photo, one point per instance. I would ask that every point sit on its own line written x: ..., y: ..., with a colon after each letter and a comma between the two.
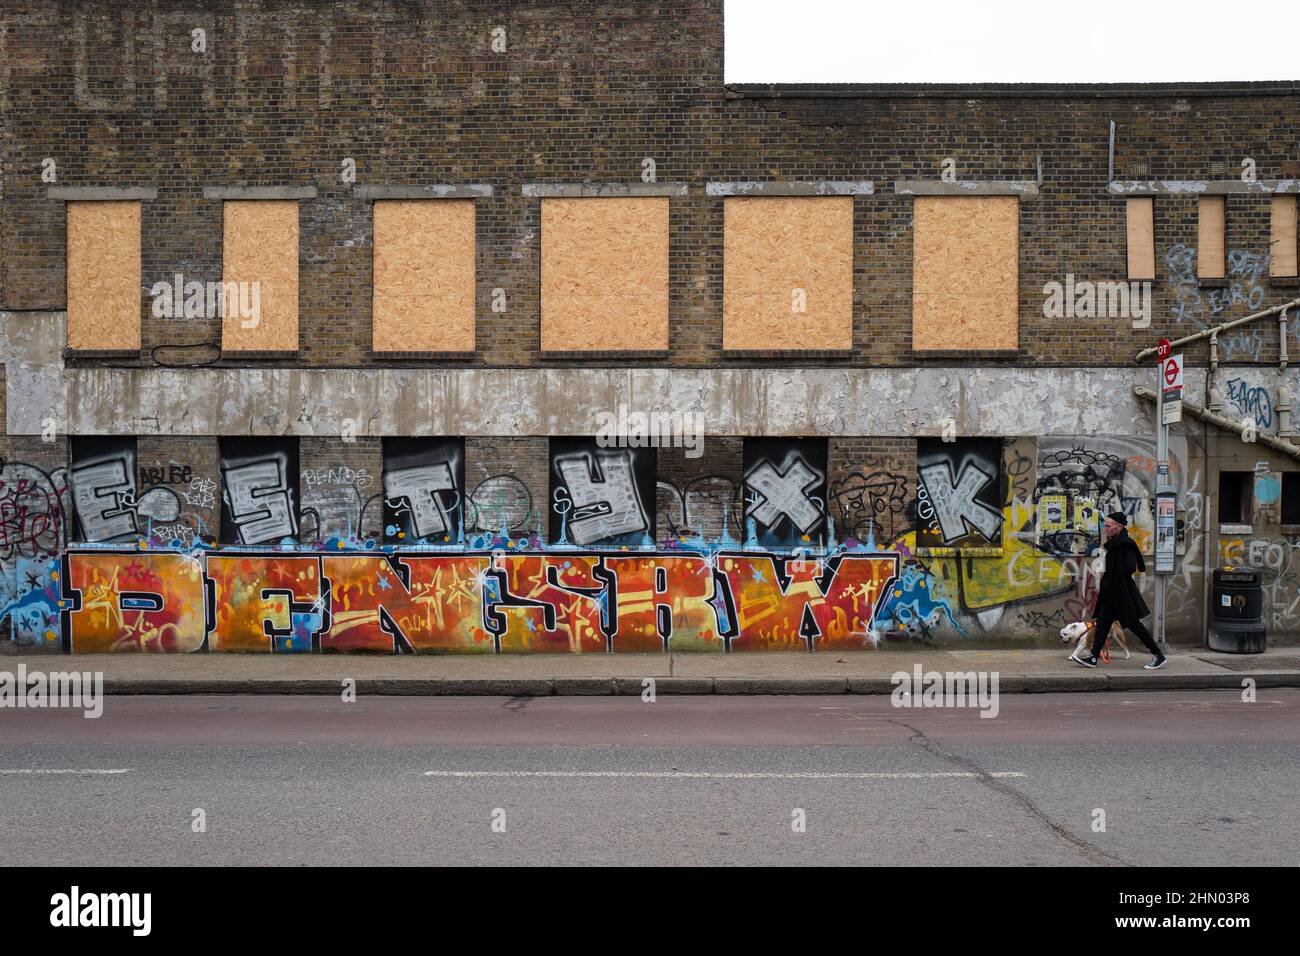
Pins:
x: 682, y: 686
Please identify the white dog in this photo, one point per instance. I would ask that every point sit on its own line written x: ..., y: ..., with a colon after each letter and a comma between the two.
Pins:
x: 1082, y: 631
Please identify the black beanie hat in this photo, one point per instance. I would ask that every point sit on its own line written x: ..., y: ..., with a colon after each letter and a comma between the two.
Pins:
x: 1118, y: 517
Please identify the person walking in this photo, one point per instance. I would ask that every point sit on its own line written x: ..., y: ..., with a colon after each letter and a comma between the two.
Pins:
x: 1118, y: 597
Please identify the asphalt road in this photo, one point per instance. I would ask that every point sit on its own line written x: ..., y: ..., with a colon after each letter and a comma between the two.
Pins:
x: 1196, y: 778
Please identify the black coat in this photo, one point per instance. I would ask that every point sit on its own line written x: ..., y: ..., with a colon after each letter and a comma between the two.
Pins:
x: 1118, y: 596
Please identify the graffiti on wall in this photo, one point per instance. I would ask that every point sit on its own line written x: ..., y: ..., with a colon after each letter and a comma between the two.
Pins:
x: 1245, y: 290
x: 958, y: 493
x: 106, y: 505
x: 424, y: 480
x: 259, y: 499
x: 785, y: 491
x: 35, y: 509
x: 422, y: 602
x: 870, y: 505
x: 601, y: 496
x: 672, y: 559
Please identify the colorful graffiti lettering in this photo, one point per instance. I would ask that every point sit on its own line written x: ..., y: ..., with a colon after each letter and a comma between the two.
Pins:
x: 420, y: 602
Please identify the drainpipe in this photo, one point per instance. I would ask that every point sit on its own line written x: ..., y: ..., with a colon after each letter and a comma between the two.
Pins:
x: 1281, y: 335
x: 1227, y: 424
x: 1222, y: 327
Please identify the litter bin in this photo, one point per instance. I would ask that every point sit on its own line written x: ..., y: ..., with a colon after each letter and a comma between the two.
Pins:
x: 1237, y: 611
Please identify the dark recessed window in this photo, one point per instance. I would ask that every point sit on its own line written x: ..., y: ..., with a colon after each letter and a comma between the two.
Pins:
x: 1234, y: 497
x: 1291, y: 497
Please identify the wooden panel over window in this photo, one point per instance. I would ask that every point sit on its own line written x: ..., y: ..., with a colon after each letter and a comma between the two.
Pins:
x: 424, y: 276
x: 788, y: 273
x: 605, y: 274
x: 965, y: 273
x: 1141, y: 237
x: 260, y: 257
x: 104, y: 276
x: 1282, y: 242
x: 1211, y: 228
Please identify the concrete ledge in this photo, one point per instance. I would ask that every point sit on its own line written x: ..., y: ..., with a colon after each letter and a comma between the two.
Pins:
x: 1205, y: 187
x: 870, y: 685
x: 259, y: 192
x: 863, y: 187
x: 781, y: 685
x: 1053, y: 684
x: 695, y: 686
x: 101, y: 193
x: 969, y: 187
x: 585, y: 686
x: 550, y: 400
x: 435, y: 191
x: 587, y: 190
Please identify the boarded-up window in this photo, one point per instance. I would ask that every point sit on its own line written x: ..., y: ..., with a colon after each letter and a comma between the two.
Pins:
x: 1282, y: 244
x: 788, y: 273
x: 260, y: 271
x: 104, y: 276
x: 605, y: 274
x: 1141, y: 238
x: 1210, y: 235
x: 965, y: 273
x: 424, y: 276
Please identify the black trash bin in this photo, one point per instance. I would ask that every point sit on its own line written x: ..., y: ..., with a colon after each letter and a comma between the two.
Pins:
x: 1237, y: 611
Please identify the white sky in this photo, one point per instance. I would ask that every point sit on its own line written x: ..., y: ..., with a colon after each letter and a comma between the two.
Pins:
x: 1010, y: 41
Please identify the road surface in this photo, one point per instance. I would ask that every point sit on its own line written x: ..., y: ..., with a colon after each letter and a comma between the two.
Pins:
x: 1182, y: 778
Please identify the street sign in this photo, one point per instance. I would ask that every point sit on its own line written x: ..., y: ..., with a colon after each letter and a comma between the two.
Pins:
x: 1171, y: 389
x: 1163, y: 348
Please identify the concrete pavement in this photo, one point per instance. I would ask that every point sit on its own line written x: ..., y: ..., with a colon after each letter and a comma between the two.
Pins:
x: 1030, y: 670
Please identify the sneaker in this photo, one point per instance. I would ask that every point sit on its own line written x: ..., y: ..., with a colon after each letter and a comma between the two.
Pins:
x: 1087, y: 660
x: 1155, y: 663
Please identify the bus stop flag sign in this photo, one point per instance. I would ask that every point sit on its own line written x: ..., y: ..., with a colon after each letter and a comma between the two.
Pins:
x: 1171, y: 389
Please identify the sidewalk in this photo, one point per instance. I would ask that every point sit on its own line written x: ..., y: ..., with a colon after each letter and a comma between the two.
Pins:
x: 868, y: 672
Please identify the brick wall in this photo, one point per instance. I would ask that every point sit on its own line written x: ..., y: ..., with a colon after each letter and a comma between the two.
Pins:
x: 584, y: 92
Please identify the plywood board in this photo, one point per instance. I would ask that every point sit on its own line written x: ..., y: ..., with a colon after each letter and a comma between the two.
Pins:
x: 1282, y: 242
x: 788, y: 273
x: 1211, y: 223
x: 966, y: 273
x: 424, y: 276
x: 1141, y: 237
x: 605, y: 274
x: 261, y: 245
x: 104, y: 276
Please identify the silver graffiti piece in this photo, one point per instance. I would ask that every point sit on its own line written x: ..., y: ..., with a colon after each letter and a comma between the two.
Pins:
x: 415, y: 491
x: 784, y: 494
x: 258, y: 495
x: 605, y: 500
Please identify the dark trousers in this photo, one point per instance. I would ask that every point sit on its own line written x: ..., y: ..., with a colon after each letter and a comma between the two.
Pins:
x: 1137, y: 627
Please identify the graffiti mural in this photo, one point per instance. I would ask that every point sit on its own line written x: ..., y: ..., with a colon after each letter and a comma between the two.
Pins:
x: 959, y: 494
x: 424, y: 480
x: 684, y: 561
x: 785, y: 491
x: 35, y: 511
x: 421, y: 602
x: 259, y: 497
x: 601, y: 496
x: 105, y: 503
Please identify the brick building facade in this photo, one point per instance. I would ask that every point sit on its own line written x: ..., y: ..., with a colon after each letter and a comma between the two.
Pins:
x: 516, y: 220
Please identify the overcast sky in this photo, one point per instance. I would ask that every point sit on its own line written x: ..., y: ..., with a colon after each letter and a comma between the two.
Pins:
x: 1010, y: 41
